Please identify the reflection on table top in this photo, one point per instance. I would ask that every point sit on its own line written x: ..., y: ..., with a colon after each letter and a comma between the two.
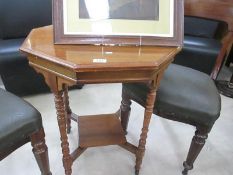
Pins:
x: 80, y: 57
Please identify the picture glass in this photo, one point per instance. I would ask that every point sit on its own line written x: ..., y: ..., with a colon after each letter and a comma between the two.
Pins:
x: 119, y: 17
x: 120, y: 9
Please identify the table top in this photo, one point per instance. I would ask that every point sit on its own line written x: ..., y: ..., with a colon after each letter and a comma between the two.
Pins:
x: 82, y: 58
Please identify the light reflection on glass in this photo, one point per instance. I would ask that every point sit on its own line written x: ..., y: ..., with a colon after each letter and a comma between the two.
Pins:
x: 101, y: 28
x: 97, y: 9
x: 119, y: 9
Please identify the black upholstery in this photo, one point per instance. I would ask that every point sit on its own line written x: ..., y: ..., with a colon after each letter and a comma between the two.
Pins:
x: 15, y: 72
x: 202, y: 43
x: 9, y: 51
x: 17, y: 18
x: 18, y: 119
x: 199, y: 53
x: 187, y: 95
x: 204, y: 28
x: 20, y: 123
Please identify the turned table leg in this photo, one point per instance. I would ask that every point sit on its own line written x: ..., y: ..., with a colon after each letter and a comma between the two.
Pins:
x: 67, y: 109
x: 147, y: 116
x: 61, y: 118
x: 125, y: 110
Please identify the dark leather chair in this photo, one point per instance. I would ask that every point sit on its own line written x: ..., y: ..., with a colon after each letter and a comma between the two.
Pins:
x: 212, y: 26
x: 185, y: 95
x: 20, y: 123
x: 17, y: 19
x: 202, y: 43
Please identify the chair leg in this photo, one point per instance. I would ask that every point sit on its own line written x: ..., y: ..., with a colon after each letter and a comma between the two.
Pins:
x: 125, y: 110
x: 40, y: 151
x: 196, y: 146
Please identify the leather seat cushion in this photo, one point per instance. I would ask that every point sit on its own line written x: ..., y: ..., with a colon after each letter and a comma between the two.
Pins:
x: 184, y: 95
x: 18, y: 119
x: 201, y: 27
x: 9, y: 51
x: 205, y: 28
x: 18, y: 18
x: 199, y: 53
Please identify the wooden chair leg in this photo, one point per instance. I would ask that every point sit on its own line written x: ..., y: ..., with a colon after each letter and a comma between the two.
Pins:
x: 40, y: 151
x: 67, y: 109
x: 196, y: 146
x: 125, y: 110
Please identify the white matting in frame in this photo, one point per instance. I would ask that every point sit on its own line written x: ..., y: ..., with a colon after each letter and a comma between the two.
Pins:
x: 126, y: 22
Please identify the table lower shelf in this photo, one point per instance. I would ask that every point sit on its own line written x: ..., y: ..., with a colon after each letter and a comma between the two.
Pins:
x: 100, y: 130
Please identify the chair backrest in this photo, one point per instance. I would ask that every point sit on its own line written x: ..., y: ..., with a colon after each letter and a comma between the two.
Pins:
x: 204, y: 28
x: 18, y: 17
x: 221, y: 10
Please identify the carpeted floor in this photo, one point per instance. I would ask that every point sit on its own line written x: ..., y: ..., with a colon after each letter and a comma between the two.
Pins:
x: 166, y: 149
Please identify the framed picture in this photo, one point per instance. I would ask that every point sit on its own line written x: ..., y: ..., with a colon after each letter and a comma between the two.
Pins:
x: 118, y: 22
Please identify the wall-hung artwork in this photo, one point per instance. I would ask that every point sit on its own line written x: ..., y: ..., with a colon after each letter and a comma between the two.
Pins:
x: 118, y: 22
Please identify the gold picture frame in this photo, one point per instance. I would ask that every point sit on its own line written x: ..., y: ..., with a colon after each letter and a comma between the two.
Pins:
x: 122, y: 22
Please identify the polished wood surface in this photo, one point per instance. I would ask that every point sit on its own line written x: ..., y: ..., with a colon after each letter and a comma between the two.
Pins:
x: 61, y: 119
x: 147, y: 116
x: 80, y: 63
x: 66, y: 65
x: 40, y: 151
x: 100, y: 130
x: 221, y: 10
x: 82, y: 58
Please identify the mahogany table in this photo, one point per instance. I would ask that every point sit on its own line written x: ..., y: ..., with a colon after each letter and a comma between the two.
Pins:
x: 67, y: 65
